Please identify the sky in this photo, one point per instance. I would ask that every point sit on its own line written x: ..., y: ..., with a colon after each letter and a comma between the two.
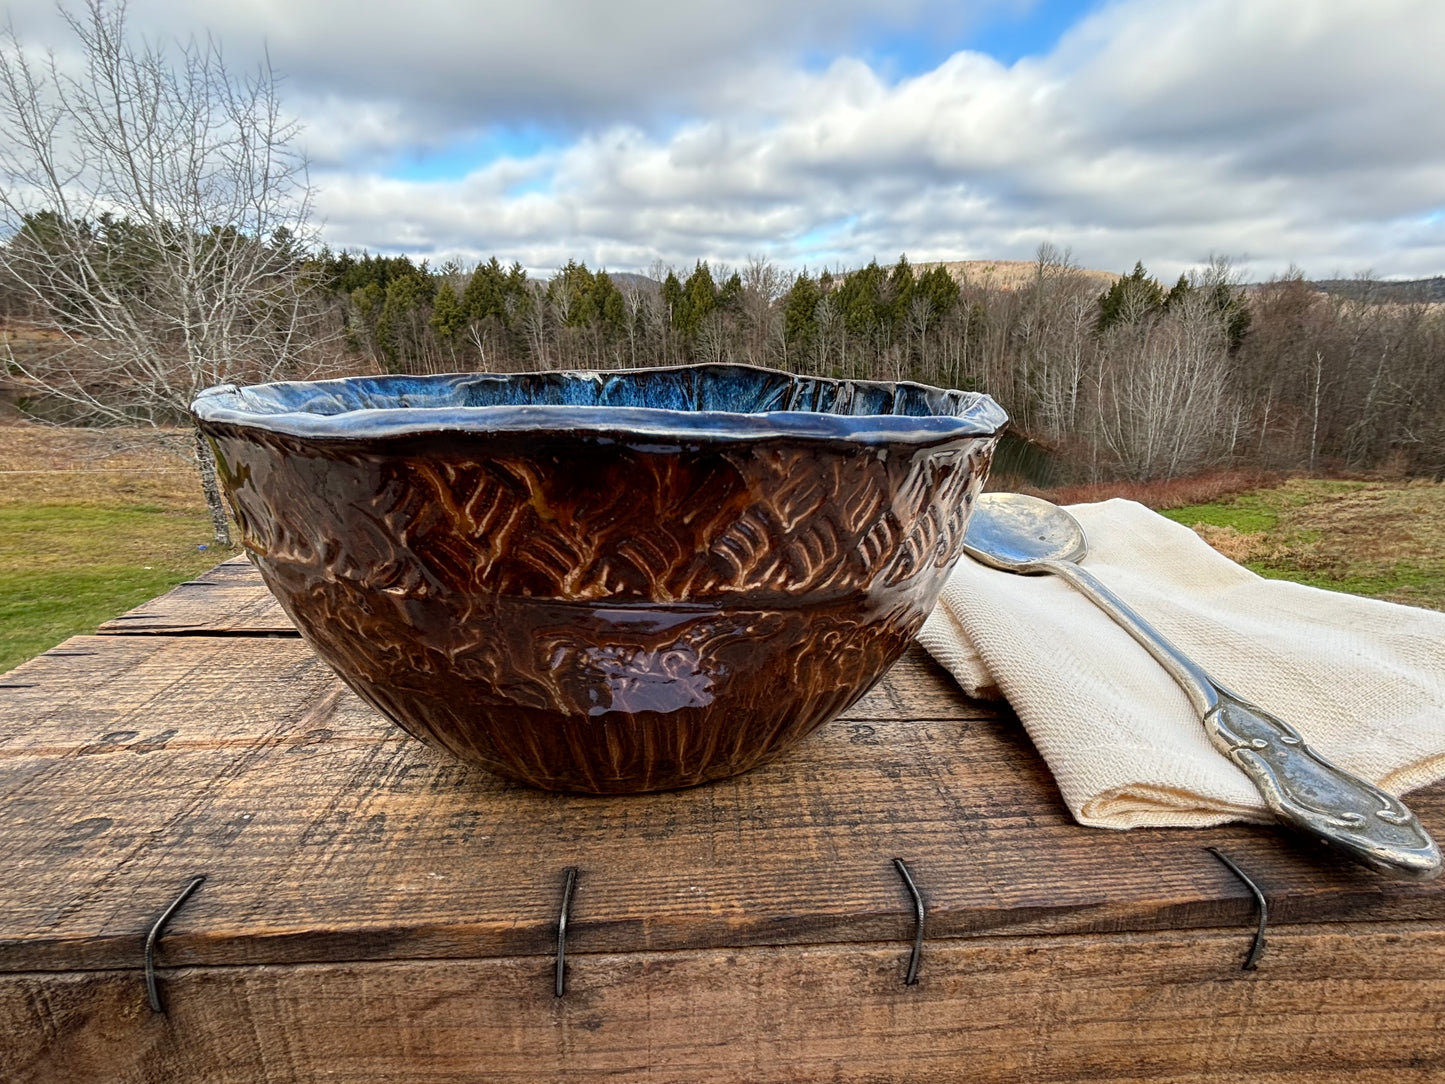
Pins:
x: 1277, y: 133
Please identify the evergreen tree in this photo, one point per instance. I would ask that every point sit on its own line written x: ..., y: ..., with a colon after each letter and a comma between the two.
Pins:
x: 516, y: 277
x: 366, y: 302
x: 699, y: 298
x: 1226, y: 299
x: 937, y: 285
x: 351, y: 273
x: 448, y: 315
x: 858, y: 298
x: 516, y: 297
x: 1177, y: 293
x: 730, y: 294
x: 486, y: 292
x: 401, y: 324
x: 1131, y: 299
x: 1230, y: 302
x: 893, y: 306
x: 672, y: 298
x: 572, y: 297
x: 609, y: 306
x: 332, y: 268
x: 800, y: 312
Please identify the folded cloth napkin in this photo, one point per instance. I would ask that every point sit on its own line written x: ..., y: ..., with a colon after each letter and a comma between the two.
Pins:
x: 1362, y: 680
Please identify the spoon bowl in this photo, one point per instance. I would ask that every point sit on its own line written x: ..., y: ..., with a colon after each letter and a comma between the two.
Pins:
x: 1013, y: 532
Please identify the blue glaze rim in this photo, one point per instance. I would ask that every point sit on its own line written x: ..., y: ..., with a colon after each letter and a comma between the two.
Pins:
x: 709, y: 401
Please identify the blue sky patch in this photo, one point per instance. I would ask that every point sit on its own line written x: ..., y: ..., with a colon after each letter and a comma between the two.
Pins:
x: 821, y: 244
x: 1010, y: 36
x: 473, y: 152
x: 1006, y: 32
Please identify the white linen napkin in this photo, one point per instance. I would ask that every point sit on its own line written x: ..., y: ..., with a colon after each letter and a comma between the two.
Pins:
x: 1362, y: 680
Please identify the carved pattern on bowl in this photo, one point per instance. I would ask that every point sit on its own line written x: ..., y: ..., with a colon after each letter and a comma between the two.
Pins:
x: 597, y: 611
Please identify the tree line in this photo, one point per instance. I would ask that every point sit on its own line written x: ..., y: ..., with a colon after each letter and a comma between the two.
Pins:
x: 1131, y: 379
x: 1134, y: 380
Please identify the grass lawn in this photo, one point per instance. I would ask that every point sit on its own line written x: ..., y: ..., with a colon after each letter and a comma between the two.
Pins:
x: 90, y: 526
x: 1382, y: 539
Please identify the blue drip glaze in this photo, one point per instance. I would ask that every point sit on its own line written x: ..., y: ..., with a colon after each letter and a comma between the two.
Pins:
x: 691, y: 401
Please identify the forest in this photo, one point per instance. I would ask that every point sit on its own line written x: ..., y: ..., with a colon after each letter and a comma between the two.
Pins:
x: 1137, y: 380
x: 1104, y: 376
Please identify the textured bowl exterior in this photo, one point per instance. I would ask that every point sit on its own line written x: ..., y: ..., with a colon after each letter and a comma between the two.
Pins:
x: 603, y: 610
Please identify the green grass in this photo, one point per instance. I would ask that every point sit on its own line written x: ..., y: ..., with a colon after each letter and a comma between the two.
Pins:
x: 1384, y: 540
x: 1404, y: 582
x: 1246, y: 514
x: 64, y: 569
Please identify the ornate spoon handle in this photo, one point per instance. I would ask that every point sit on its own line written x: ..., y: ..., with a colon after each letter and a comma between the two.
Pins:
x: 1308, y: 791
x: 1301, y: 787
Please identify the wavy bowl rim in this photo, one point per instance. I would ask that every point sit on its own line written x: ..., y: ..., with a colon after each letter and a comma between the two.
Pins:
x: 224, y: 404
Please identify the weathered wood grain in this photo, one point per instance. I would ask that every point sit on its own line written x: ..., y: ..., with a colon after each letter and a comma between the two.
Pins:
x: 230, y: 598
x: 377, y: 911
x: 128, y: 764
x: 1357, y: 1004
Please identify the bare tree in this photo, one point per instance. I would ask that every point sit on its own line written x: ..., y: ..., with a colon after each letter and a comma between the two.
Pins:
x: 1055, y: 341
x: 763, y: 286
x: 1166, y: 406
x: 637, y: 305
x: 712, y: 344
x: 156, y: 216
x: 917, y: 320
x: 535, y: 323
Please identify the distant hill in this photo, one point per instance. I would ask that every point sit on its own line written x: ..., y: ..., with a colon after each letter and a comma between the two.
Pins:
x: 621, y: 279
x: 1009, y: 274
x: 1013, y: 274
x: 1003, y: 274
x: 1397, y: 290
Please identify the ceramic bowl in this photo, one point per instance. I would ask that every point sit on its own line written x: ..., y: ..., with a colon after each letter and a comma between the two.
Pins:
x: 605, y: 582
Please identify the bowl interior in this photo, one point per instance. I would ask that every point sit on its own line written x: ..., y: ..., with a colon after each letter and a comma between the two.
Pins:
x: 720, y: 399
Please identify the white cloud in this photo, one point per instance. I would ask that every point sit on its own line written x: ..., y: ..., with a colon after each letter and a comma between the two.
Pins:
x: 374, y: 78
x: 1279, y: 131
x: 566, y: 62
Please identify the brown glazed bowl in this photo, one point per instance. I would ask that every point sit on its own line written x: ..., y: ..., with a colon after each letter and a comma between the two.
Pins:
x: 605, y: 582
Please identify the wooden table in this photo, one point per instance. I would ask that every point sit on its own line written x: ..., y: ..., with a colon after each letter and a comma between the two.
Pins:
x: 373, y: 911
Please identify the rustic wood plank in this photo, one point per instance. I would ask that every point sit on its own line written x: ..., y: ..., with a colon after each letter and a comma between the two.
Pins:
x: 128, y: 764
x: 229, y: 598
x: 1359, y: 1004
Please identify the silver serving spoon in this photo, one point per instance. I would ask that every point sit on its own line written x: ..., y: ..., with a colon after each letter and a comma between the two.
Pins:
x: 1016, y: 533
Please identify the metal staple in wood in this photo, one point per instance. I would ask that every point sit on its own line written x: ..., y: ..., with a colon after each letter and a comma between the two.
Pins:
x: 1256, y: 950
x: 559, y: 984
x: 913, y: 959
x: 154, y: 936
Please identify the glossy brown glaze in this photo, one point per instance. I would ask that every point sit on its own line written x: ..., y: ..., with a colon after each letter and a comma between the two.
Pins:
x: 600, y: 612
